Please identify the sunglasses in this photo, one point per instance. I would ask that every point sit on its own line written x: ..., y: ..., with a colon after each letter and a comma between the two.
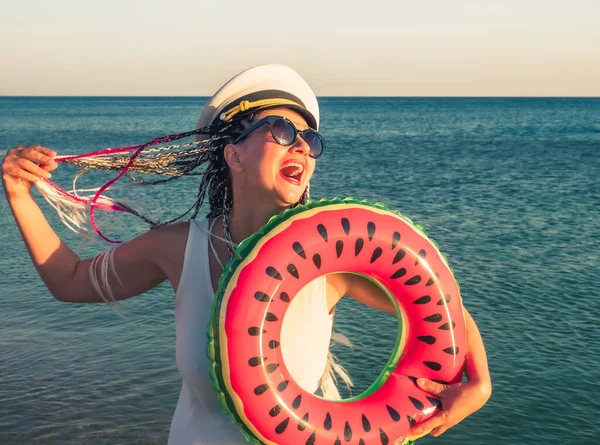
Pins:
x: 285, y: 133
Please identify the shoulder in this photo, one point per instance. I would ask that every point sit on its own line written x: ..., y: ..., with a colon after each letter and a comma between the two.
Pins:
x: 162, y: 245
x: 165, y: 246
x: 164, y: 236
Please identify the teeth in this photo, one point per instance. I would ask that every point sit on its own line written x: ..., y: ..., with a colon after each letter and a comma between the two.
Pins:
x: 292, y: 168
x: 293, y: 164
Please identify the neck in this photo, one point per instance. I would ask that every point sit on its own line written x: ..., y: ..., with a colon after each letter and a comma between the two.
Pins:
x: 248, y: 216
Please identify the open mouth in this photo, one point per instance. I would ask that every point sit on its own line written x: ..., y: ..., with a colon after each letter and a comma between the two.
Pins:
x: 292, y: 171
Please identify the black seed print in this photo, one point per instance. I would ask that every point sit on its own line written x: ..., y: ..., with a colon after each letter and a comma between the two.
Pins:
x: 411, y: 421
x: 299, y: 249
x: 422, y: 254
x: 447, y: 326
x: 444, y: 300
x: 271, y: 317
x: 441, y: 382
x: 427, y: 339
x: 273, y: 344
x: 322, y: 231
x: 417, y: 403
x: 255, y: 361
x: 384, y: 439
x: 311, y: 439
x: 393, y: 413
x: 395, y: 240
x: 284, y: 297
x: 339, y: 247
x: 434, y: 402
x: 327, y: 424
x: 261, y: 296
x: 256, y: 331
x: 347, y: 432
x: 399, y: 273
x: 432, y: 280
x: 301, y: 426
x: 433, y: 365
x: 317, y: 260
x: 414, y: 379
x: 358, y: 246
x: 371, y: 230
x: 275, y: 411
x: 366, y: 424
x: 435, y: 318
x: 337, y: 441
x: 272, y: 367
x: 297, y: 401
x: 399, y: 255
x: 283, y: 385
x: 261, y: 389
x: 305, y: 418
x: 346, y: 226
x: 414, y: 280
x: 376, y: 254
x: 272, y: 272
x: 453, y: 350
x: 361, y: 442
x: 279, y: 429
x: 423, y: 300
x: 293, y: 271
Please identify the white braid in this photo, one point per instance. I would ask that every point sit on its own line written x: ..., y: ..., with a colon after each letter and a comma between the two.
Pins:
x: 98, y: 273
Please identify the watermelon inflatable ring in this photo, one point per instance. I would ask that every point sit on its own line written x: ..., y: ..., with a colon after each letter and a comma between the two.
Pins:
x: 257, y: 287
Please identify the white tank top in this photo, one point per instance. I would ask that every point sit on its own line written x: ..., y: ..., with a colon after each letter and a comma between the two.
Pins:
x: 198, y: 418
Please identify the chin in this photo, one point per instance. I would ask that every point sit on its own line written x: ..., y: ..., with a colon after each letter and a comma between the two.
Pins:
x: 289, y: 199
x: 289, y: 202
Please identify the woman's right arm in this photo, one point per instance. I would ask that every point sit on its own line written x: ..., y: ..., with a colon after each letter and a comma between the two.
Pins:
x: 138, y: 263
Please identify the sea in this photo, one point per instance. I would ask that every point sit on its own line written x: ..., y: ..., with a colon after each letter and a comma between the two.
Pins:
x: 509, y: 188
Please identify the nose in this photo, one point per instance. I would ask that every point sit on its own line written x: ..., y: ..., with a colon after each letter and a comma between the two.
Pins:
x: 300, y: 146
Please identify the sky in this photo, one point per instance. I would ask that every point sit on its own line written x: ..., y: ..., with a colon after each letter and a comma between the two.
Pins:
x: 372, y: 48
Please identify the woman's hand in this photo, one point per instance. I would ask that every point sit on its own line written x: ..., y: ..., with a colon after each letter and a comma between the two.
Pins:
x: 462, y: 399
x: 22, y: 167
x: 459, y: 400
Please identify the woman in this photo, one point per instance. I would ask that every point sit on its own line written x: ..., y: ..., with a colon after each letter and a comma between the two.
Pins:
x: 264, y: 122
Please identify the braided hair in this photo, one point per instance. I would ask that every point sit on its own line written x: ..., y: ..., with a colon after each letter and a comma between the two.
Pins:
x: 204, y: 158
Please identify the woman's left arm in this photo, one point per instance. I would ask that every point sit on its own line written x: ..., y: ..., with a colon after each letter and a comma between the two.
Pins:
x: 462, y: 399
x: 459, y: 400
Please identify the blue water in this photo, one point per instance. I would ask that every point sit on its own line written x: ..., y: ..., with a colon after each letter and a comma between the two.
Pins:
x: 508, y: 188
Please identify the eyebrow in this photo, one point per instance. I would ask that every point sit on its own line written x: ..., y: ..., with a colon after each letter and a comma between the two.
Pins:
x: 299, y: 126
x: 302, y: 126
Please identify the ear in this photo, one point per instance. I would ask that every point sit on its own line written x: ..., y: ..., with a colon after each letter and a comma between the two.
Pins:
x: 232, y: 157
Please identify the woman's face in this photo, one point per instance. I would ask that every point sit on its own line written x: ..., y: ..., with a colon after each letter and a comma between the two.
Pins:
x: 268, y: 170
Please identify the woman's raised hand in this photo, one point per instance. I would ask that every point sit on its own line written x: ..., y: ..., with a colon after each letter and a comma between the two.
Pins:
x: 23, y: 166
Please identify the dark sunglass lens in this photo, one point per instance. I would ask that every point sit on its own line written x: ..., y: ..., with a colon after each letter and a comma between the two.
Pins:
x: 313, y: 141
x: 283, y: 131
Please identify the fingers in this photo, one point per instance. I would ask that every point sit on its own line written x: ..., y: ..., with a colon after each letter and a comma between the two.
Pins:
x: 39, y: 155
x: 13, y: 171
x: 425, y: 427
x: 29, y: 163
x: 29, y: 166
x: 437, y: 420
x: 49, y: 153
x: 439, y: 430
x: 430, y: 387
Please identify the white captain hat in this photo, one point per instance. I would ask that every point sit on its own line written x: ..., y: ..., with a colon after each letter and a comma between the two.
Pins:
x: 259, y: 88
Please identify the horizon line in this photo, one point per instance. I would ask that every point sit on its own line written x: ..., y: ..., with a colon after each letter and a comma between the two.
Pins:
x: 318, y: 97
